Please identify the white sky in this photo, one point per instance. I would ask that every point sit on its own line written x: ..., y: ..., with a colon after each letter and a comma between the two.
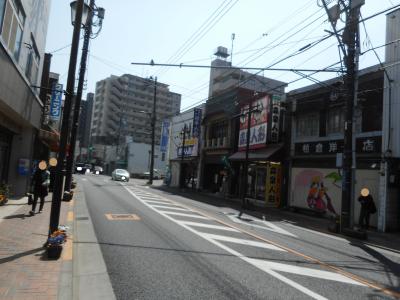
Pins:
x: 138, y: 31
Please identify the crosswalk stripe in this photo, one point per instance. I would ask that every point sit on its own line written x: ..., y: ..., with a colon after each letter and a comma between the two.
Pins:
x: 184, y: 215
x: 264, y: 264
x: 188, y: 223
x: 170, y: 207
x: 242, y: 241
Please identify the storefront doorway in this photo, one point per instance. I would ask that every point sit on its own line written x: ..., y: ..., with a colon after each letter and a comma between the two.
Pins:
x: 5, y: 147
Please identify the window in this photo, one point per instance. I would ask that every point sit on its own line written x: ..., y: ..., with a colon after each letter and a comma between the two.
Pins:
x: 13, y: 26
x: 307, y: 125
x: 335, y: 121
x: 32, y: 64
x: 163, y: 156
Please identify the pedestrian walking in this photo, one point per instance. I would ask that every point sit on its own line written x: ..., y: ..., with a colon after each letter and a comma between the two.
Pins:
x: 41, y: 182
x: 367, y: 208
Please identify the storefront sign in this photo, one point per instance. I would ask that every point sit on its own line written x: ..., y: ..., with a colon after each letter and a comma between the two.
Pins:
x: 191, y: 147
x: 164, y: 136
x: 258, y: 124
x: 273, y: 185
x: 317, y: 148
x: 369, y: 144
x: 196, y: 122
x: 55, y: 104
x: 363, y: 145
x: 276, y: 108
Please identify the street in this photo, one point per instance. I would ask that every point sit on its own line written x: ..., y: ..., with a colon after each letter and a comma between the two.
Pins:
x: 157, y: 245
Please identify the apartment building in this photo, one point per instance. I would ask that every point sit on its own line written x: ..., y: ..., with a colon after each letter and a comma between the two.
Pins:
x: 123, y: 107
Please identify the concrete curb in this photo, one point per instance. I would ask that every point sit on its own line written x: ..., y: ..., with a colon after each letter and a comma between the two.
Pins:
x: 90, y: 277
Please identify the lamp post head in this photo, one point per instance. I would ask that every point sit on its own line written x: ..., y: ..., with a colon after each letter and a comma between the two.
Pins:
x: 85, y: 13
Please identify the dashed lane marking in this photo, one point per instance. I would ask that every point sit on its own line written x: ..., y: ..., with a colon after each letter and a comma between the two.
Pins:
x: 170, y: 207
x: 184, y: 215
x: 241, y: 241
x: 189, y: 223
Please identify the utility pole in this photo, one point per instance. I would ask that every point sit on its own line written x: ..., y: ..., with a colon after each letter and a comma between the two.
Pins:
x: 246, y: 160
x: 182, y: 179
x: 350, y: 40
x: 153, y: 128
x: 78, y: 99
x: 58, y: 183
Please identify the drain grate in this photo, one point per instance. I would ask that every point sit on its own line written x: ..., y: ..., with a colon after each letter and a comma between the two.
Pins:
x: 82, y: 218
x: 122, y: 217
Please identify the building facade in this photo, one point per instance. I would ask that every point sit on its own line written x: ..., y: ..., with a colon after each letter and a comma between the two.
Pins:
x: 184, y: 148
x: 23, y: 30
x: 317, y: 136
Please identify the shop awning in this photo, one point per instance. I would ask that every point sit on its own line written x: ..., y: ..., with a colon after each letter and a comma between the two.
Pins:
x: 257, y: 155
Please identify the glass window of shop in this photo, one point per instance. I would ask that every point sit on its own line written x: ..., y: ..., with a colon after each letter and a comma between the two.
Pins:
x: 257, y: 176
x: 5, y: 145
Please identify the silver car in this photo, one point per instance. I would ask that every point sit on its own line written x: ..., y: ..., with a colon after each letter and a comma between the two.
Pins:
x: 120, y: 174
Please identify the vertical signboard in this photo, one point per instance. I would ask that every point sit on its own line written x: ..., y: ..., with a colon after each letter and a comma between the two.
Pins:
x: 276, y: 109
x: 258, y: 124
x: 164, y: 136
x: 55, y: 104
x: 273, y: 185
x: 196, y: 123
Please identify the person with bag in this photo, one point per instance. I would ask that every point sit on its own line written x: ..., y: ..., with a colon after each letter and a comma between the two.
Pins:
x: 41, y: 182
x: 367, y: 208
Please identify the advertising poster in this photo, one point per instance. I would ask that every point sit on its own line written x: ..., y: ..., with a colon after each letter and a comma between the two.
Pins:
x: 258, y: 124
x: 273, y: 185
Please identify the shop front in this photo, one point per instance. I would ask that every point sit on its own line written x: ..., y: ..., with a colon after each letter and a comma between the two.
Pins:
x: 5, y: 146
x: 264, y: 175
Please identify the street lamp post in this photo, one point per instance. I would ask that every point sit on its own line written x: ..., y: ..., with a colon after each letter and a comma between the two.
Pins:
x: 58, y: 183
x: 78, y: 98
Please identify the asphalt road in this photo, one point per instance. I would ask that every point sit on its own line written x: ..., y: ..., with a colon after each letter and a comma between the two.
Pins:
x: 157, y: 245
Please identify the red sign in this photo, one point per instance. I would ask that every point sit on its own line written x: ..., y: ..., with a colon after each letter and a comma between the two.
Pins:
x: 258, y: 124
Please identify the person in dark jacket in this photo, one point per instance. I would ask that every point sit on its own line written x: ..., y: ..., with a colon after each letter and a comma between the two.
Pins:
x: 367, y: 208
x: 41, y: 181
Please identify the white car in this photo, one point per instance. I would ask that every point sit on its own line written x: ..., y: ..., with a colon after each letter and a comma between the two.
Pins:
x: 120, y: 174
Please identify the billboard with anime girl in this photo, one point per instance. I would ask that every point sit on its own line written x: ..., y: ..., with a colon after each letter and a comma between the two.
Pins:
x: 319, y: 190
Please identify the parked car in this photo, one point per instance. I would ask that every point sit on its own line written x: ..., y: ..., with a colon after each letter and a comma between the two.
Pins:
x: 156, y: 175
x: 97, y: 170
x: 82, y: 168
x: 120, y: 174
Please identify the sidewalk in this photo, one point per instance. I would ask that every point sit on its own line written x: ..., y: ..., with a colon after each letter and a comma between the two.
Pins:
x: 389, y: 241
x: 25, y: 271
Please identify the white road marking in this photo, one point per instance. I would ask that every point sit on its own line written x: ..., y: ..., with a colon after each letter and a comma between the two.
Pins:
x: 265, y: 264
x: 266, y: 224
x: 188, y: 223
x: 170, y: 207
x: 237, y: 254
x: 84, y: 179
x: 184, y: 215
x: 159, y: 202
x: 242, y: 241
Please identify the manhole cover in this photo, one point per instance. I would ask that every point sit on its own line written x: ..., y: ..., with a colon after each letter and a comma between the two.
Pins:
x: 122, y: 217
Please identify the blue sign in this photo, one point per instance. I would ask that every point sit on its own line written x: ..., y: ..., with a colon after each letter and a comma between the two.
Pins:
x: 55, y: 104
x: 196, y: 123
x: 164, y: 136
